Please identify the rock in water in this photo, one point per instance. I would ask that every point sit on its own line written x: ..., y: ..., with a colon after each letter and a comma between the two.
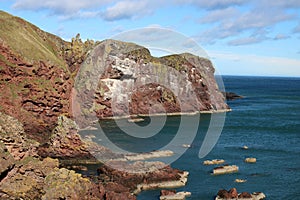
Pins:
x: 240, y: 180
x: 232, y: 96
x: 172, y: 195
x: 226, y: 169
x: 233, y: 194
x: 250, y: 160
x: 213, y: 162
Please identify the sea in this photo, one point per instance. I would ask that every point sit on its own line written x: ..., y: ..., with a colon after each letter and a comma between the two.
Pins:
x: 266, y: 120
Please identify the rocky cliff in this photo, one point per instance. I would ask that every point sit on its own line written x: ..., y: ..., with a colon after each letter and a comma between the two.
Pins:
x: 38, y: 71
x: 120, y: 79
x: 36, y: 74
x: 45, y: 81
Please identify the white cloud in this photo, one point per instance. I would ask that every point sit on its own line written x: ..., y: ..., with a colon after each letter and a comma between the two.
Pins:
x: 245, y: 41
x: 63, y: 7
x: 281, y: 37
x: 127, y: 10
x: 297, y: 29
x: 257, y: 65
x: 253, y: 23
x: 212, y: 4
x: 219, y: 15
x: 229, y: 20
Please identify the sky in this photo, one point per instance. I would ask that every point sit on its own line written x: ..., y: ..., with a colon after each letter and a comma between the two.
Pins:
x: 241, y: 37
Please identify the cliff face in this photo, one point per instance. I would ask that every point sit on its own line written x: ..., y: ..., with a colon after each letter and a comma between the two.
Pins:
x: 120, y: 79
x: 38, y: 71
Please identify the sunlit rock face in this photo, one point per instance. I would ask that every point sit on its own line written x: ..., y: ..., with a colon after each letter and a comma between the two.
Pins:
x: 119, y: 79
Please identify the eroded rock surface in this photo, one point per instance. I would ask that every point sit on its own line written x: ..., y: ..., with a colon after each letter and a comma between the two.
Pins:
x: 120, y: 79
x: 143, y: 175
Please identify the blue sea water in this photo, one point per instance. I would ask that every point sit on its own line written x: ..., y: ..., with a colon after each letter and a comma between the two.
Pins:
x: 267, y: 120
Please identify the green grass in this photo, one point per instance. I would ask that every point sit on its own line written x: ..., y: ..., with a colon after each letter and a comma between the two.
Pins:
x: 30, y: 42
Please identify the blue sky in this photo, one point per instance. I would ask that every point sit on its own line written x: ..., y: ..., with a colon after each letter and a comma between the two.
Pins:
x: 255, y: 37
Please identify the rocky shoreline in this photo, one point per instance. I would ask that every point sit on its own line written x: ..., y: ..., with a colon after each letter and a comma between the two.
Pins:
x: 39, y: 89
x: 24, y: 173
x: 168, y: 114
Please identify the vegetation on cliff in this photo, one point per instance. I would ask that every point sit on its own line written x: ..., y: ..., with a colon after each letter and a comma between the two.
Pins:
x: 37, y: 72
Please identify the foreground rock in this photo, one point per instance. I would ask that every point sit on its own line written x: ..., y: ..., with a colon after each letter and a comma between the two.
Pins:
x: 143, y: 175
x: 233, y: 194
x: 173, y: 195
x: 12, y: 135
x: 67, y: 145
x: 226, y: 169
x: 25, y: 175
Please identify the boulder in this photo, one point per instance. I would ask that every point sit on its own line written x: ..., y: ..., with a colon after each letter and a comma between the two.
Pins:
x: 225, y: 169
x: 233, y: 194
x: 250, y: 160
x: 213, y: 162
x: 140, y: 175
x: 173, y: 195
x: 240, y: 180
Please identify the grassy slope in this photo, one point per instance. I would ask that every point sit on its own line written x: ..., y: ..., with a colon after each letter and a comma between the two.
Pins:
x: 30, y: 42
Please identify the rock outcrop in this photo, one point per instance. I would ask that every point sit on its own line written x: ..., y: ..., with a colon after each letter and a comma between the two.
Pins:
x: 232, y: 96
x: 36, y: 74
x: 38, y: 84
x: 225, y: 169
x: 213, y: 162
x: 25, y: 175
x: 233, y: 194
x: 173, y: 195
x: 120, y: 79
x: 143, y: 175
x: 38, y: 71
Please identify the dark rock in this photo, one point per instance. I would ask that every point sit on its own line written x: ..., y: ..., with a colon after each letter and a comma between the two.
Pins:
x: 131, y: 180
x: 245, y: 195
x: 6, y: 161
x: 167, y: 192
x: 224, y: 194
x: 233, y: 193
x: 231, y: 96
x: 115, y: 191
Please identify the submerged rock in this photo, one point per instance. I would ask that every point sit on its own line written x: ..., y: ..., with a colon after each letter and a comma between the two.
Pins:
x: 186, y: 145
